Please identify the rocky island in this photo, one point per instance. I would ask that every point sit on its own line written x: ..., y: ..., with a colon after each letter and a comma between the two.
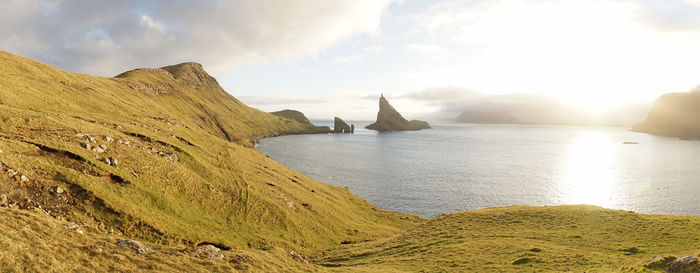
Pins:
x: 340, y: 127
x: 674, y: 114
x: 486, y: 116
x: 388, y: 119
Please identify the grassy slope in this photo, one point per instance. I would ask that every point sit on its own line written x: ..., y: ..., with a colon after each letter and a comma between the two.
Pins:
x: 226, y: 192
x: 550, y: 239
x: 218, y: 191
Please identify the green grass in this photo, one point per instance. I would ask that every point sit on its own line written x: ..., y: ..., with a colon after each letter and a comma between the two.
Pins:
x: 221, y: 190
x: 526, y: 239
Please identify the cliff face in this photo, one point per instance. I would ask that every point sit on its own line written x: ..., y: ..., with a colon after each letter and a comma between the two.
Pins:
x: 486, y: 117
x: 299, y: 117
x: 675, y: 114
x: 388, y: 119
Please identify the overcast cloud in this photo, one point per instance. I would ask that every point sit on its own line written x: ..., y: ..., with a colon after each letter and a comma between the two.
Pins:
x: 108, y: 37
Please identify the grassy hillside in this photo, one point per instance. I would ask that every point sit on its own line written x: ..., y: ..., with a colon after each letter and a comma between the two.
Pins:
x: 165, y: 156
x: 527, y: 239
x: 186, y: 171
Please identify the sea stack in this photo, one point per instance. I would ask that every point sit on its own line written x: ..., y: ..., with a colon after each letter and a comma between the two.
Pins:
x: 339, y: 126
x: 675, y: 114
x: 388, y: 119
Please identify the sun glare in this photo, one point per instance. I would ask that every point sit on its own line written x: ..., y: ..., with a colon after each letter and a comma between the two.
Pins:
x: 588, y: 173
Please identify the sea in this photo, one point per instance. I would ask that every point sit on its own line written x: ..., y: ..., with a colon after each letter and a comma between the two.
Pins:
x: 456, y: 167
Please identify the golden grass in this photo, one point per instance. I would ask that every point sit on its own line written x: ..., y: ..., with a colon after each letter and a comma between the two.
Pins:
x: 221, y: 190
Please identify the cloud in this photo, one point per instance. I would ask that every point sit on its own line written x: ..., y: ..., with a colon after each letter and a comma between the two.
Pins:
x: 433, y: 50
x: 108, y: 37
x: 375, y: 49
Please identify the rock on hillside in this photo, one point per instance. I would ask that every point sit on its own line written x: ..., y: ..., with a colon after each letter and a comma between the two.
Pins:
x: 388, y: 119
x: 675, y: 114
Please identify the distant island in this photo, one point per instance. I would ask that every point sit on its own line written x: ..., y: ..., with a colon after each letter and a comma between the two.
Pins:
x: 388, y: 119
x: 674, y: 114
x: 486, y: 116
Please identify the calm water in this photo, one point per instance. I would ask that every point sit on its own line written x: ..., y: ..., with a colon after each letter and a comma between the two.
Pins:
x: 461, y: 167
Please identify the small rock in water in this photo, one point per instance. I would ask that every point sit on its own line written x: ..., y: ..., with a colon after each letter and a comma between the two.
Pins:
x: 687, y: 264
x: 207, y: 252
x: 135, y: 246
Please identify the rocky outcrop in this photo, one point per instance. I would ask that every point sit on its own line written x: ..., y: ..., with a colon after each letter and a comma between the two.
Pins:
x: 339, y: 126
x: 388, y: 119
x: 688, y: 264
x: 675, y: 114
x: 486, y: 116
x: 134, y: 246
x: 207, y: 252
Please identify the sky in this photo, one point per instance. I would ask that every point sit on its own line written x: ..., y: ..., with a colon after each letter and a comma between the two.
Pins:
x: 595, y: 61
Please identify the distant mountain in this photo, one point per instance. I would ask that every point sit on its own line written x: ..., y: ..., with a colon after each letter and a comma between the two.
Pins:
x: 388, y: 119
x: 675, y: 114
x: 486, y: 116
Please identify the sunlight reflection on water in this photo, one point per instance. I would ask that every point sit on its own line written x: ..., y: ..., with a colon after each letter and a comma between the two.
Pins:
x: 589, y: 171
x: 460, y: 167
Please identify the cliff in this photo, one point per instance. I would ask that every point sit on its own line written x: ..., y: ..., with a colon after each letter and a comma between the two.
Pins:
x: 299, y: 117
x: 675, y: 114
x: 486, y: 116
x: 388, y: 119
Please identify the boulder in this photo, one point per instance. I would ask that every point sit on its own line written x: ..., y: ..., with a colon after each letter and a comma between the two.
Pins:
x: 207, y: 252
x: 86, y: 145
x: 687, y: 264
x: 388, y: 119
x: 295, y: 256
x: 75, y: 227
x: 135, y: 246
